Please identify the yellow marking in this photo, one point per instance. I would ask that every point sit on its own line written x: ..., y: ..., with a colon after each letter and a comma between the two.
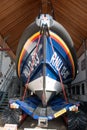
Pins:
x: 57, y: 114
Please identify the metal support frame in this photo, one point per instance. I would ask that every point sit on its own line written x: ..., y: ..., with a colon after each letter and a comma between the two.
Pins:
x: 32, y: 106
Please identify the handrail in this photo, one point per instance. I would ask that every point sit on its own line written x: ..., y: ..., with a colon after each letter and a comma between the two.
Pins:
x: 7, y: 81
x: 3, y: 97
x: 6, y: 84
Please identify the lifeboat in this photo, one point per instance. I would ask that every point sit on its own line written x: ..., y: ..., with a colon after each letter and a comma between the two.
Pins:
x: 46, y: 57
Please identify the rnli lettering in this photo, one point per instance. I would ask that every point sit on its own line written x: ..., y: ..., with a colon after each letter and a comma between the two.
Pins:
x: 56, y: 62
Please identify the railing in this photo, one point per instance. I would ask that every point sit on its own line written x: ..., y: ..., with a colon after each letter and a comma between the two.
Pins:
x: 78, y: 91
x: 8, y: 79
x: 5, y: 86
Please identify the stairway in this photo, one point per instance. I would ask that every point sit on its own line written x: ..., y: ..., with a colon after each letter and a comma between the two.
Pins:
x: 3, y: 100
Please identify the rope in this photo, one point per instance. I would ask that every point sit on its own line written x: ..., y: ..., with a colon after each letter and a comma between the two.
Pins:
x: 32, y: 64
x: 61, y: 81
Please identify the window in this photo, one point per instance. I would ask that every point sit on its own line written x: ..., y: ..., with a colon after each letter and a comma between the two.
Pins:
x: 73, y: 90
x: 69, y: 90
x: 77, y: 89
x: 83, y: 89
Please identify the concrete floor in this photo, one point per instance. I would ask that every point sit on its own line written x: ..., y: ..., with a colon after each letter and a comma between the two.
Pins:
x: 56, y: 124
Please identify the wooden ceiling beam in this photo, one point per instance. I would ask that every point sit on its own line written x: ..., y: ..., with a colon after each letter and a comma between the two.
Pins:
x: 11, y: 54
x: 44, y: 6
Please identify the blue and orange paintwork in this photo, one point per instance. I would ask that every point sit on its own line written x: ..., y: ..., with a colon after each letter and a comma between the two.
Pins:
x: 61, y: 49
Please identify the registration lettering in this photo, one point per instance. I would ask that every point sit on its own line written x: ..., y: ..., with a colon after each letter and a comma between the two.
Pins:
x: 31, y: 64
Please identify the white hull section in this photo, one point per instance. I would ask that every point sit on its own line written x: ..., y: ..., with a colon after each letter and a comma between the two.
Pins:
x: 51, y: 85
